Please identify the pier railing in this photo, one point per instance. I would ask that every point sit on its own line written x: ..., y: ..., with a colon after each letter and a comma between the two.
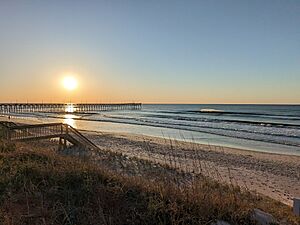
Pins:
x: 62, y: 131
x: 7, y: 124
x: 6, y: 108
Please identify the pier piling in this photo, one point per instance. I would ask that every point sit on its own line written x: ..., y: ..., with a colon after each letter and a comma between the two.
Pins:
x: 7, y: 108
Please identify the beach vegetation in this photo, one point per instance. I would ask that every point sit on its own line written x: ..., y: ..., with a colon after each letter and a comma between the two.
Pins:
x: 41, y: 186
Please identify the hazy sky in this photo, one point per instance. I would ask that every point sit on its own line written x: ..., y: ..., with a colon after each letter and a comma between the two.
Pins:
x: 151, y: 51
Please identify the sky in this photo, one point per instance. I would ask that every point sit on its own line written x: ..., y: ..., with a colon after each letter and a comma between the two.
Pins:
x: 153, y: 51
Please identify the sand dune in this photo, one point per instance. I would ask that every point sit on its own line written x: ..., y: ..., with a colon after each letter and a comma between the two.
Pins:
x: 274, y: 175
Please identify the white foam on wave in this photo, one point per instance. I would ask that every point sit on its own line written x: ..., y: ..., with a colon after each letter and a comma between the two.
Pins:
x: 210, y: 110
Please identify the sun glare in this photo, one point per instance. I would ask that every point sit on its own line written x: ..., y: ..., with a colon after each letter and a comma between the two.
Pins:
x: 70, y: 83
x: 70, y: 108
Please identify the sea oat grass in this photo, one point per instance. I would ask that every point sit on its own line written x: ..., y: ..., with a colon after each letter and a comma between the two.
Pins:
x: 39, y: 186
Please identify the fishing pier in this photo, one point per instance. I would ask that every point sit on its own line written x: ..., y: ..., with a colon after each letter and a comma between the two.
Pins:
x: 6, y: 108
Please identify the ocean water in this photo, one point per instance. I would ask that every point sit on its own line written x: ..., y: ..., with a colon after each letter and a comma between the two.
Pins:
x: 271, y: 128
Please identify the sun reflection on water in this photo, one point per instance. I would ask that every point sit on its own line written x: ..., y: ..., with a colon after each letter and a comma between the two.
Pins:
x: 70, y: 108
x: 69, y: 119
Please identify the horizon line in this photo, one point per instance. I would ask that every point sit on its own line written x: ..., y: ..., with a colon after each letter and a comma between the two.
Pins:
x: 149, y: 103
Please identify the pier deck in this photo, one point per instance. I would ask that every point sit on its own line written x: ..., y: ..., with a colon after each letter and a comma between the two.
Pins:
x: 6, y: 108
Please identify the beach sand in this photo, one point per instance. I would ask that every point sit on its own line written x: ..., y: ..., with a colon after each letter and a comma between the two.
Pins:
x: 273, y: 175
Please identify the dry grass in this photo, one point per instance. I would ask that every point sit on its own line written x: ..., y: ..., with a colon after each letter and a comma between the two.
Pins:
x: 39, y: 186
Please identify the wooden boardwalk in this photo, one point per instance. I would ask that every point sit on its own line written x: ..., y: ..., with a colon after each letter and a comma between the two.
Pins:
x: 6, y: 108
x: 64, y: 132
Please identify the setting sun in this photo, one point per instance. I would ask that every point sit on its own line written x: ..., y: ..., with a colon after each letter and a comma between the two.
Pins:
x: 69, y: 83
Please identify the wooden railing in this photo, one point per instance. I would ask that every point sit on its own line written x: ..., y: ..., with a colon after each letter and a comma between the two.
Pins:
x: 46, y: 131
x: 7, y: 124
x: 71, y: 131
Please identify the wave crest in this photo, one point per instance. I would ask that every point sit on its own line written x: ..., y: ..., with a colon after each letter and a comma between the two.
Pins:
x: 211, y: 110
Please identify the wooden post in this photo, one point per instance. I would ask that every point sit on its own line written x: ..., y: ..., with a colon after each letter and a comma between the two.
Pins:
x: 296, y: 206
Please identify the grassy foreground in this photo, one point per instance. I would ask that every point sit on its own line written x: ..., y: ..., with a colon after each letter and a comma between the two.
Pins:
x: 38, y: 186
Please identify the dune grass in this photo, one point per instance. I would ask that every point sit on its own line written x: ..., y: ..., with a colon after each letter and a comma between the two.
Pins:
x: 38, y: 186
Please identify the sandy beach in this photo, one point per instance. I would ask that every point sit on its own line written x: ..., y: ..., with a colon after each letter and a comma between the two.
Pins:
x: 273, y: 175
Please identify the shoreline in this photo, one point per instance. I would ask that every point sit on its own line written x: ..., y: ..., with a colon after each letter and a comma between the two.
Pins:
x: 241, y: 150
x: 206, y: 139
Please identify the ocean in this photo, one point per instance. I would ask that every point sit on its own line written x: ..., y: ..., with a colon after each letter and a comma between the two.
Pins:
x: 266, y: 128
